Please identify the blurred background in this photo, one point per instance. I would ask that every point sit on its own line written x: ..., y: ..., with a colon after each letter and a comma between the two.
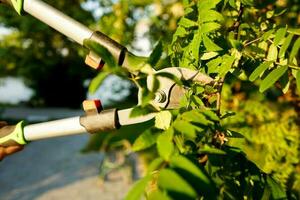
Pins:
x: 43, y: 77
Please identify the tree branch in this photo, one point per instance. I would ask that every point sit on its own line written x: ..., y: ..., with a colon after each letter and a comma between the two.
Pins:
x: 237, y: 23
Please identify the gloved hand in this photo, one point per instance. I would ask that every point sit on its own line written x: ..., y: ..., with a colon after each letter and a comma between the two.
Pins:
x: 5, y: 151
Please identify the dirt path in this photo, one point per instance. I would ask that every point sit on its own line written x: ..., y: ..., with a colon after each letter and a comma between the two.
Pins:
x: 55, y: 169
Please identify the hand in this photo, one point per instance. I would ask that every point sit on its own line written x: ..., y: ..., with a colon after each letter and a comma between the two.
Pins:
x: 5, y: 151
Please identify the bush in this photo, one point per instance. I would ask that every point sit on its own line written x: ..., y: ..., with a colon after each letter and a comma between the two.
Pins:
x: 239, y: 138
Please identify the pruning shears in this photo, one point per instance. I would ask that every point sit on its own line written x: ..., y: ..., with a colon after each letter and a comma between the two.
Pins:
x: 95, y: 119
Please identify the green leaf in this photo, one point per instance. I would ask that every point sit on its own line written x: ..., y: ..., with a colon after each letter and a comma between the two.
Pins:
x: 209, y: 27
x: 231, y: 3
x: 145, y: 140
x: 210, y: 45
x: 259, y: 70
x: 273, y: 52
x: 226, y: 65
x: 101, y: 51
x: 165, y: 144
x: 140, y: 111
x: 195, y: 44
x: 211, y: 115
x: 198, y: 89
x: 138, y: 189
x: 285, y: 82
x: 209, y: 55
x: 155, y: 83
x: 196, y: 117
x: 236, y: 44
x: 182, y: 162
x: 211, y: 150
x: 248, y: 2
x: 285, y: 45
x: 97, y: 81
x: 207, y: 4
x: 156, y: 54
x: 158, y: 195
x: 187, y: 23
x: 276, y: 190
x: 170, y: 76
x: 180, y: 32
x: 171, y: 181
x: 209, y: 16
x: 280, y: 33
x: 270, y: 14
x: 186, y: 128
x: 233, y: 134
x: 298, y: 80
x: 267, y: 34
x: 295, y: 49
x: 214, y: 64
x: 196, y: 101
x: 147, y: 96
x: 163, y: 120
x: 155, y: 165
x: 280, y: 12
x: 272, y: 78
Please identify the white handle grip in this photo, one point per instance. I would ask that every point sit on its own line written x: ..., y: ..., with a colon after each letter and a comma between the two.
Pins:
x: 62, y: 127
x: 57, y: 20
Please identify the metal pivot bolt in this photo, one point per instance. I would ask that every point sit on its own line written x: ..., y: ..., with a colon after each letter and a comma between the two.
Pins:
x: 160, y: 96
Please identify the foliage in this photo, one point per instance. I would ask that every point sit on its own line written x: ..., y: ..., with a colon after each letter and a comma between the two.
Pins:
x: 261, y: 125
x: 204, y: 150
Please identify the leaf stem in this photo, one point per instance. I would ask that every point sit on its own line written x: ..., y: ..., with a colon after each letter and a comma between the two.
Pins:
x: 290, y: 66
x: 251, y: 42
x: 294, y: 67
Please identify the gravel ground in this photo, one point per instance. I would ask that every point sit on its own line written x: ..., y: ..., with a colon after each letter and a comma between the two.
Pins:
x: 55, y: 169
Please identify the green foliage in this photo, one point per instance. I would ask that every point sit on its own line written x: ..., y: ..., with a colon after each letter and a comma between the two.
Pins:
x: 264, y: 122
x: 196, y: 161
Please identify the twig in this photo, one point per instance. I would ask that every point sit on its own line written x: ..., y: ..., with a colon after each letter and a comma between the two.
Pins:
x: 237, y: 23
x: 219, y: 96
x: 251, y: 42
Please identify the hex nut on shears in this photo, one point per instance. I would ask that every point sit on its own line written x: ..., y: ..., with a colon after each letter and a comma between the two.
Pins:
x: 160, y: 96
